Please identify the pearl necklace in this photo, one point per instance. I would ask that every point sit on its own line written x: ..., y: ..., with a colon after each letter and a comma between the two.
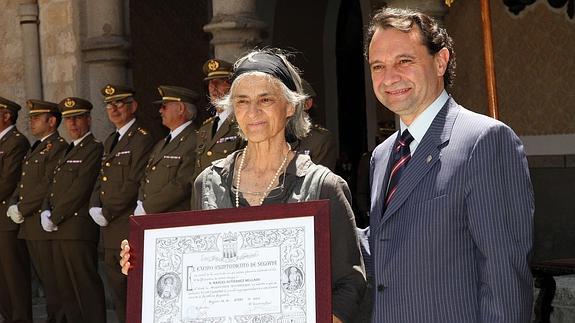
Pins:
x: 268, y: 189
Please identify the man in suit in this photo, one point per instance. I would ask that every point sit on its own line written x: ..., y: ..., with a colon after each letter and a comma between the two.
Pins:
x: 452, y: 202
x: 319, y: 143
x: 218, y: 136
x: 126, y: 152
x: 15, y: 289
x: 166, y: 185
x: 65, y: 216
x: 26, y: 202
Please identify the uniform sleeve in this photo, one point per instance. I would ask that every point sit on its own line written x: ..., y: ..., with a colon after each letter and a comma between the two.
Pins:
x: 11, y: 165
x: 500, y: 205
x: 348, y: 274
x: 80, y: 189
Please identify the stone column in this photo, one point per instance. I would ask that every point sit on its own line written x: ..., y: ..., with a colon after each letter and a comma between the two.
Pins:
x: 235, y: 28
x: 106, y: 53
x: 28, y: 14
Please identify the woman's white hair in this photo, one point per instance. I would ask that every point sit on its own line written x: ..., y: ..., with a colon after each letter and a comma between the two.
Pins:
x: 298, y: 125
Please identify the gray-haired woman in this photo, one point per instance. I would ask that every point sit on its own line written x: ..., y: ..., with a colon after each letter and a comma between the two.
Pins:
x: 267, y: 100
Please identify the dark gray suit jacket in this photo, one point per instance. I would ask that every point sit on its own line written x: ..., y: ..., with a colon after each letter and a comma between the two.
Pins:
x: 454, y: 242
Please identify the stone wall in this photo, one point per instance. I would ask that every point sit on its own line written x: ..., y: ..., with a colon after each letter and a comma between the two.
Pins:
x: 11, y: 62
x: 533, y: 52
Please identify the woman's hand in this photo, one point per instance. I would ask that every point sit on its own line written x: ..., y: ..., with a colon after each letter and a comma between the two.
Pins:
x: 335, y: 319
x: 125, y: 256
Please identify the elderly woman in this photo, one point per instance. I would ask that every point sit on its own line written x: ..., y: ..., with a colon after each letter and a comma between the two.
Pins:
x: 267, y: 100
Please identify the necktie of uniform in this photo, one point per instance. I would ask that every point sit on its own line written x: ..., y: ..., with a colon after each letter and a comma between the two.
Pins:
x: 168, y: 138
x: 115, y: 141
x: 401, y: 156
x: 36, y: 144
x: 70, y: 146
x: 215, y: 126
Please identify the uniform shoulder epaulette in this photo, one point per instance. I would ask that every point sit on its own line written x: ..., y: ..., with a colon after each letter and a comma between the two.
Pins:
x: 61, y: 139
x: 143, y: 131
x: 208, y: 120
x: 317, y: 126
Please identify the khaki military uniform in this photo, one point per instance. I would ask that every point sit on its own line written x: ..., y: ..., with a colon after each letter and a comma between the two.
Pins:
x: 74, y: 244
x: 116, y: 192
x: 15, y: 289
x: 225, y: 141
x: 37, y: 171
x: 320, y: 145
x: 166, y: 186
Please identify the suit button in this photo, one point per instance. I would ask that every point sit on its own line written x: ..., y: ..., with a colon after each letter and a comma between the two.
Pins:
x: 209, y: 153
x: 23, y: 173
x: 380, y: 288
x: 51, y: 194
x: 58, y: 168
x: 21, y: 185
x: 107, y: 164
x: 75, y: 213
x: 21, y: 197
x: 104, y: 178
x: 225, y: 151
x: 26, y: 162
x: 102, y: 193
x: 153, y: 167
x: 148, y: 181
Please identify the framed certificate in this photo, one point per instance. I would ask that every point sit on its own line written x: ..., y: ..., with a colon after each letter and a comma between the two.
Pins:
x: 254, y: 264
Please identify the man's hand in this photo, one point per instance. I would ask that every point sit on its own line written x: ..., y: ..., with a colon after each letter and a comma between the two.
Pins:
x: 47, y: 224
x: 98, y: 216
x: 125, y: 256
x: 334, y: 319
x: 14, y: 214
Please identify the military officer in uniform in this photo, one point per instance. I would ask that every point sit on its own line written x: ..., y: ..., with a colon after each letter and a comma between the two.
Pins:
x: 15, y: 290
x: 218, y: 135
x: 166, y: 185
x: 65, y: 216
x: 126, y: 152
x: 26, y: 202
x: 320, y: 143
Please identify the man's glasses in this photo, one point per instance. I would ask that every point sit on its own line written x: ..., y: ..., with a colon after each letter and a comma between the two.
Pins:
x: 118, y: 104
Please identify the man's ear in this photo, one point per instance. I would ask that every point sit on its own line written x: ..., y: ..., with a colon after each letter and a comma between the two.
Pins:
x: 441, y: 59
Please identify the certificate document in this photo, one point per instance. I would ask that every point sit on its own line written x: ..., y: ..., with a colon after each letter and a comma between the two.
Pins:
x: 247, y: 271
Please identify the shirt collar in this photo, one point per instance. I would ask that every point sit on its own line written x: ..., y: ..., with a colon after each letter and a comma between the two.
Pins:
x: 78, y: 141
x: 419, y: 126
x: 179, y: 129
x: 224, y: 115
x: 125, y: 127
x: 5, y: 131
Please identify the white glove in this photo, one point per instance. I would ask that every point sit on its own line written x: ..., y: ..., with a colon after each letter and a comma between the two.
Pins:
x: 139, y: 208
x: 47, y: 224
x: 14, y: 214
x: 98, y: 217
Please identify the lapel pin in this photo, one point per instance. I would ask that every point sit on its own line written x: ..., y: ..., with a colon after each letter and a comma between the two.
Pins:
x: 429, y: 158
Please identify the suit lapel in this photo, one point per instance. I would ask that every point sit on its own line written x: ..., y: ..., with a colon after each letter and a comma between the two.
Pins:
x: 172, y: 145
x: 425, y: 156
x: 122, y: 143
x: 381, y: 178
x: 223, y: 129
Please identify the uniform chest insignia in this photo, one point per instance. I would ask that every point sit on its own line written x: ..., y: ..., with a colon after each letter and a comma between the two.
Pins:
x: 172, y: 157
x: 226, y: 139
x: 142, y: 131
x: 125, y: 152
x: 306, y: 152
x: 74, y: 161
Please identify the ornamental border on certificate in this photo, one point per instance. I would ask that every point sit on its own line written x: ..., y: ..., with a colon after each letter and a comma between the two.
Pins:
x: 140, y: 225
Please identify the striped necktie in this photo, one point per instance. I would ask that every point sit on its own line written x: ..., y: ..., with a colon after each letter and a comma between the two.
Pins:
x: 401, y: 156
